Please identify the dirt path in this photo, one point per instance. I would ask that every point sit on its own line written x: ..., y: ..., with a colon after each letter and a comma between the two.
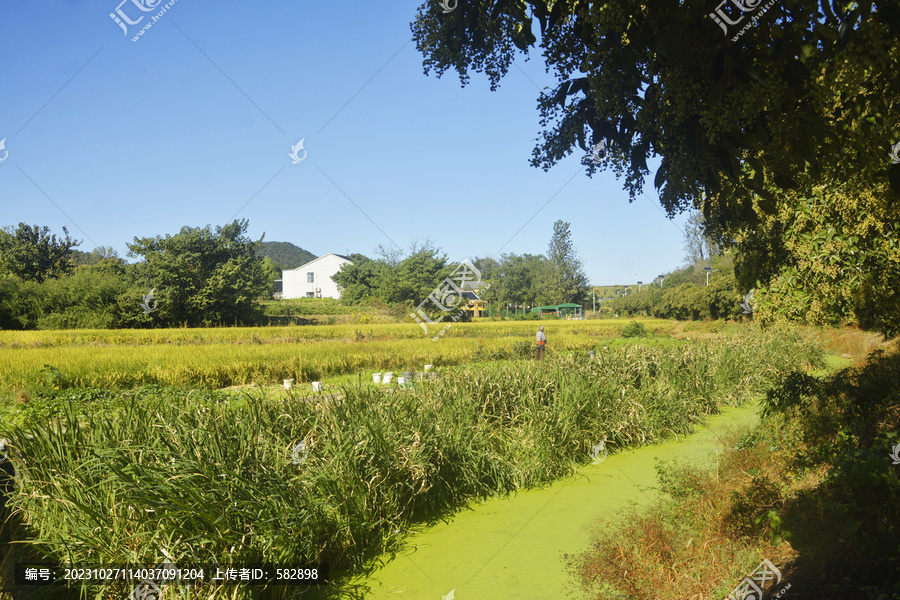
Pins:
x: 513, y: 547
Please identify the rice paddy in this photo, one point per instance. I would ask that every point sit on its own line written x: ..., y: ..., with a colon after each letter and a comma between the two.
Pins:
x: 139, y: 474
x: 222, y: 357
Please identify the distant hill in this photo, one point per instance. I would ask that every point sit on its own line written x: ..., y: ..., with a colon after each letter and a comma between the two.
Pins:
x: 285, y: 254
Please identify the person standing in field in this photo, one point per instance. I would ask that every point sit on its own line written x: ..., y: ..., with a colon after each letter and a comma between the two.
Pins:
x: 541, y: 341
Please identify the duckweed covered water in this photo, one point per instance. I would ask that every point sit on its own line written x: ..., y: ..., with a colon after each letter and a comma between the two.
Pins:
x: 514, y: 547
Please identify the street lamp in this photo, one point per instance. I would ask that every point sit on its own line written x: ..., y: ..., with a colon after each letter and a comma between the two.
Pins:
x: 708, y: 271
x: 661, y: 278
x: 640, y: 283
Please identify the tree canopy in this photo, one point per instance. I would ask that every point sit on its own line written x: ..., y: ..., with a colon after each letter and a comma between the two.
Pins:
x: 204, y: 277
x: 566, y: 281
x: 393, y: 279
x: 813, y: 88
x: 32, y: 253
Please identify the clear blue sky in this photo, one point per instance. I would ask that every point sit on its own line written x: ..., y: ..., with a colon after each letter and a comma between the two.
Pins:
x: 193, y: 124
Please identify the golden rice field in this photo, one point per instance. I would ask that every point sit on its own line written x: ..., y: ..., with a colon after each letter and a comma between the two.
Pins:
x: 222, y: 357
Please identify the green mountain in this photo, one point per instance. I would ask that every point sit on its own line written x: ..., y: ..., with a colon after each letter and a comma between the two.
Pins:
x: 285, y: 254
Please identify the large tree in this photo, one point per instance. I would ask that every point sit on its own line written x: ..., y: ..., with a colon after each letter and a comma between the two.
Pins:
x: 393, y: 279
x: 32, y: 253
x: 799, y: 95
x: 814, y: 85
x: 564, y: 280
x: 518, y: 279
x: 204, y: 277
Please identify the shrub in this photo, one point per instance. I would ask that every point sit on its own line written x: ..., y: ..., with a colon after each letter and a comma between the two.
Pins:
x: 634, y: 329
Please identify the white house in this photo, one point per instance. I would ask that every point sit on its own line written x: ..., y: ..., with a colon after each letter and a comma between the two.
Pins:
x: 313, y: 280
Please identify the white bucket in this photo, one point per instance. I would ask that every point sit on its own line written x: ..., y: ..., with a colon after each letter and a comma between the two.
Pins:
x: 428, y: 367
x: 288, y: 384
x: 388, y: 377
x: 376, y: 377
x: 317, y: 386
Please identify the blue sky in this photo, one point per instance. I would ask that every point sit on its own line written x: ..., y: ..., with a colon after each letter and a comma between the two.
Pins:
x: 193, y: 125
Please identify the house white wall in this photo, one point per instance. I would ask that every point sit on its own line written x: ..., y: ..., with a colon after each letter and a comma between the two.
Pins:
x: 296, y: 282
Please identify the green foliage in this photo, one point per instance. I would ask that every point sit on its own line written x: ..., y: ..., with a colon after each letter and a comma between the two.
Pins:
x: 848, y: 422
x: 204, y: 277
x: 95, y: 256
x: 31, y: 253
x: 685, y: 295
x: 829, y: 257
x: 406, y: 281
x: 361, y: 281
x: 681, y: 481
x: 822, y: 84
x: 21, y: 303
x: 698, y: 244
x: 87, y: 299
x: 565, y: 279
x: 634, y: 329
x: 284, y: 255
x: 53, y: 377
x: 518, y: 280
x: 199, y: 278
x: 850, y: 407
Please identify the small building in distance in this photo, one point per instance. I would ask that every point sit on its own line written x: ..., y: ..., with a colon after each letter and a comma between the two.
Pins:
x: 474, y: 305
x: 314, y: 279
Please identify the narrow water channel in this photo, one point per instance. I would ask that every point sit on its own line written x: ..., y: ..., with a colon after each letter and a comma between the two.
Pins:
x: 512, y: 548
